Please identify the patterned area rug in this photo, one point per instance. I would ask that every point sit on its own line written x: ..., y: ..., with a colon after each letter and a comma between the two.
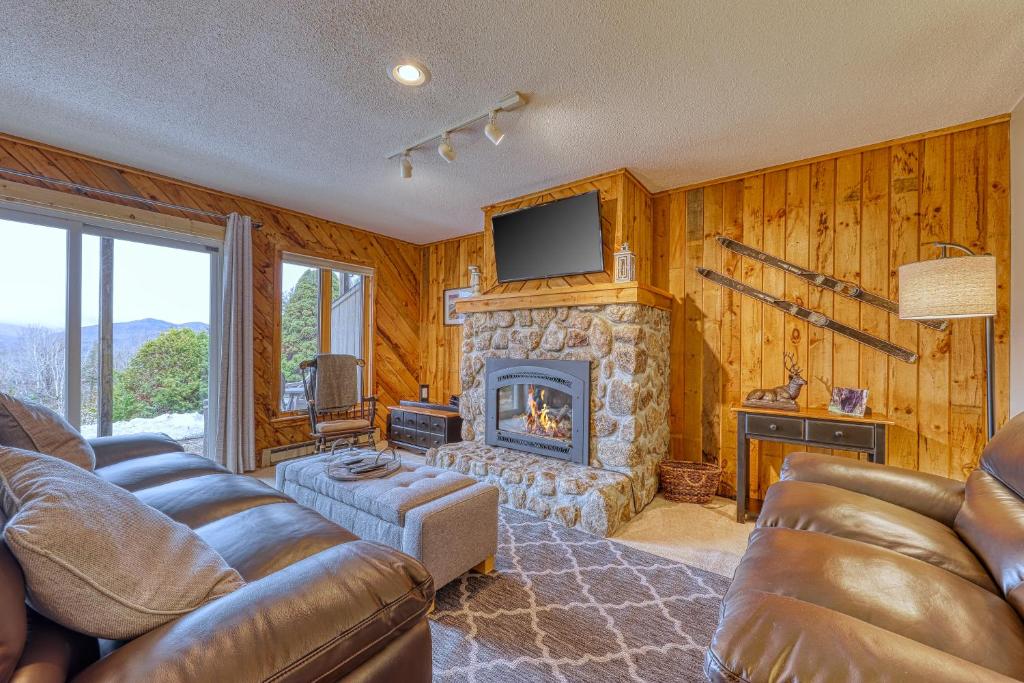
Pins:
x: 566, y: 606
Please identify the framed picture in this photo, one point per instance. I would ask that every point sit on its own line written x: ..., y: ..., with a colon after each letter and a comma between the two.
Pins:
x: 450, y: 297
x: 849, y: 401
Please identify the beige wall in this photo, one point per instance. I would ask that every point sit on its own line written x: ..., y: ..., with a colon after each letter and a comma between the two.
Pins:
x: 1017, y: 259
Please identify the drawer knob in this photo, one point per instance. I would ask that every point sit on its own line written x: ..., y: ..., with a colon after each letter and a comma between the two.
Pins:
x: 839, y: 433
x: 773, y: 427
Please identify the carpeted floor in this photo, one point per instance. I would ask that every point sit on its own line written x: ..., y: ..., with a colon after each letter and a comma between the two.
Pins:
x: 566, y: 606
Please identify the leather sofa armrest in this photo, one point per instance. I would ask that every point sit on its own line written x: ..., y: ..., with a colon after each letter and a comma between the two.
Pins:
x: 930, y: 495
x: 317, y: 619
x: 764, y: 636
x: 111, y: 450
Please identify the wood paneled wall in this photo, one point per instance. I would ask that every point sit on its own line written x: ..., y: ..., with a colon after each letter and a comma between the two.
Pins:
x: 857, y: 216
x: 397, y: 264
x: 445, y: 266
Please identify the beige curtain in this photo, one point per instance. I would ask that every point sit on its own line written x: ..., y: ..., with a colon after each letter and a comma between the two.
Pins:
x: 236, y: 447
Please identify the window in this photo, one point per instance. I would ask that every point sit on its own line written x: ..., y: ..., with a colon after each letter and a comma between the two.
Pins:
x: 313, y: 323
x: 115, y: 327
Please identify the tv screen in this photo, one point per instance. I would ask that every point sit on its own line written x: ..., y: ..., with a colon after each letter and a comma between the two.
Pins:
x: 559, y: 238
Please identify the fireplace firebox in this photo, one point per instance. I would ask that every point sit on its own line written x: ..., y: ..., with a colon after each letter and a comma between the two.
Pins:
x: 539, y: 406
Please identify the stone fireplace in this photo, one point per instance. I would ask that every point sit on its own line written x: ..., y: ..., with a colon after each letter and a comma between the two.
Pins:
x: 539, y: 406
x: 624, y: 348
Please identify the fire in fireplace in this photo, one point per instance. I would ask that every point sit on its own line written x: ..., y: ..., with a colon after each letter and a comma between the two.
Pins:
x: 536, y: 410
x: 539, y: 406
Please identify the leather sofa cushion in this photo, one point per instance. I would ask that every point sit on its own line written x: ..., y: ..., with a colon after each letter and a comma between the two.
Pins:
x: 33, y: 427
x: 95, y: 558
x: 201, y: 500
x: 991, y: 522
x: 12, y: 610
x: 930, y: 495
x: 319, y: 619
x: 53, y: 654
x: 153, y: 470
x: 262, y: 540
x: 769, y: 637
x: 1003, y: 457
x: 885, y: 588
x: 830, y: 510
x: 111, y: 450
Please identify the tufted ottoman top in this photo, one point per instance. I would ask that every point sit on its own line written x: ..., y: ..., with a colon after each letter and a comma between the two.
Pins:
x: 388, y: 498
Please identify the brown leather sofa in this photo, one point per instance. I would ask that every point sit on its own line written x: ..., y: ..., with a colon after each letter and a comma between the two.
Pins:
x: 862, y: 572
x: 320, y: 604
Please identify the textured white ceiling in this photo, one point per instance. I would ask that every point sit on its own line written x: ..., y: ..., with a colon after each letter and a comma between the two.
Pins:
x: 289, y: 102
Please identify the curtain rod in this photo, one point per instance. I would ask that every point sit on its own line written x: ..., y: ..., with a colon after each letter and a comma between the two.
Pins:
x: 118, y: 195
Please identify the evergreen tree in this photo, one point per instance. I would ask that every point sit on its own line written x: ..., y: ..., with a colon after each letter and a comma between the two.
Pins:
x: 168, y: 374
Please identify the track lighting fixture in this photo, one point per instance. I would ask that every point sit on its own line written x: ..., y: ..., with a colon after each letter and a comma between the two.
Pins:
x: 491, y: 130
x: 445, y: 149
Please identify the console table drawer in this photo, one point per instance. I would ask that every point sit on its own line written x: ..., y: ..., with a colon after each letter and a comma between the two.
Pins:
x: 398, y: 418
x: 769, y: 425
x: 841, y: 434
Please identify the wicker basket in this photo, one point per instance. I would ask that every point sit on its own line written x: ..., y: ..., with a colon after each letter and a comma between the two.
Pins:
x: 689, y: 482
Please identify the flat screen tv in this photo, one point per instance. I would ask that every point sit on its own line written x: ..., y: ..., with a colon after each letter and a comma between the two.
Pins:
x: 559, y: 238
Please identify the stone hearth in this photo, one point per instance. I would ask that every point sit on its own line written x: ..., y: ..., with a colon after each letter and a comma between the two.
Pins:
x: 628, y: 349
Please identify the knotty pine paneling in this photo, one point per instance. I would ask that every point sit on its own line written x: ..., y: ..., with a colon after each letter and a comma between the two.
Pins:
x: 397, y: 264
x: 445, y: 266
x: 858, y: 216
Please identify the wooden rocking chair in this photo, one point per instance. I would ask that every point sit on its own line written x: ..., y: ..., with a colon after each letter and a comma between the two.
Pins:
x: 347, y: 424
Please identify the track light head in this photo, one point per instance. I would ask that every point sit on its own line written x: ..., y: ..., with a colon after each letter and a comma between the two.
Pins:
x: 406, y: 165
x: 445, y: 149
x: 491, y: 130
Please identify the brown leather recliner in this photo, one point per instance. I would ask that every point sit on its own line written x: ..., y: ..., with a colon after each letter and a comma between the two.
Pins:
x: 320, y: 604
x: 868, y: 572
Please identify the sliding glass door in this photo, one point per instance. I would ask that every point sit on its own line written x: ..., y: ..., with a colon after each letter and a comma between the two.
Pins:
x: 117, y: 328
x: 33, y: 283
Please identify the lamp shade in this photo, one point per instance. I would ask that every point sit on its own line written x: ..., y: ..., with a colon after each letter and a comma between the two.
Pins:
x: 958, y: 287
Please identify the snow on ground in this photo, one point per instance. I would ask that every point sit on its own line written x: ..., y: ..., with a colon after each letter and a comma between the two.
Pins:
x: 177, y: 426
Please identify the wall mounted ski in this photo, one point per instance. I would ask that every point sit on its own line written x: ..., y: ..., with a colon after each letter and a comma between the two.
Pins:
x: 812, y: 317
x: 847, y: 289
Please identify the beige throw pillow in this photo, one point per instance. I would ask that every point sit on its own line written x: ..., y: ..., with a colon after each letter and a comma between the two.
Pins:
x: 98, y: 560
x: 33, y: 427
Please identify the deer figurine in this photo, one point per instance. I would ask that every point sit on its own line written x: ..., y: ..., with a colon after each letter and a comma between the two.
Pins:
x: 781, y: 397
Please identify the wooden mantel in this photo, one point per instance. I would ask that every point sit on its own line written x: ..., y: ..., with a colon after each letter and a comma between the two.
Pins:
x: 580, y: 295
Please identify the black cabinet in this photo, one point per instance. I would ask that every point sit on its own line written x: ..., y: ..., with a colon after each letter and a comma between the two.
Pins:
x: 420, y: 427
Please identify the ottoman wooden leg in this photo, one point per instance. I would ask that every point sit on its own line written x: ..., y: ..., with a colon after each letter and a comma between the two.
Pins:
x: 485, y: 567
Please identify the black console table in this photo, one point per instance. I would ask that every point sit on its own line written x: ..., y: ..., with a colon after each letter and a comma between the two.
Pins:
x: 809, y: 427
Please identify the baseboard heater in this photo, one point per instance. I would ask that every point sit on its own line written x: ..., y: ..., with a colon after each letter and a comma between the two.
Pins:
x: 287, y: 452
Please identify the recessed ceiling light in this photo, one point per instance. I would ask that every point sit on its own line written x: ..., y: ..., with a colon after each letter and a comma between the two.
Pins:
x: 409, y: 73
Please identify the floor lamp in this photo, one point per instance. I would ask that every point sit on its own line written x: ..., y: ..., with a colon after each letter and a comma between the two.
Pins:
x: 954, y: 287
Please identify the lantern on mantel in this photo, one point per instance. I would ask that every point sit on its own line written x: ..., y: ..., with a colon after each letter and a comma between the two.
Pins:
x: 625, y: 264
x: 474, y: 280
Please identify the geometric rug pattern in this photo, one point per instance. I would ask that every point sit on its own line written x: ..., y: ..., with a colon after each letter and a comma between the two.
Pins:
x: 563, y: 605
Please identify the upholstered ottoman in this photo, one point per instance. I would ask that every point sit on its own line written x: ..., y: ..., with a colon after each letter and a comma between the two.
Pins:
x: 446, y: 520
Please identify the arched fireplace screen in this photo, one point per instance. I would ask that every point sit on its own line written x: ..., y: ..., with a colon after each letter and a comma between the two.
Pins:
x: 539, y: 406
